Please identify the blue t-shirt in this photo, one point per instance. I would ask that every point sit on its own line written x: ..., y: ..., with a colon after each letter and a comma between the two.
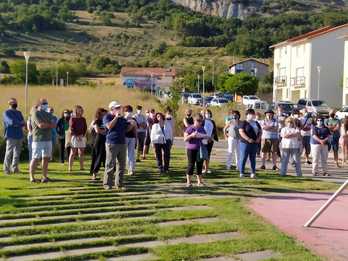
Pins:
x: 117, y: 134
x: 322, y: 133
x: 13, y: 124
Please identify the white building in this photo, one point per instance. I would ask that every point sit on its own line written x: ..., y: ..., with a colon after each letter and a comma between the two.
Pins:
x: 345, y: 73
x: 310, y: 66
x: 153, y: 79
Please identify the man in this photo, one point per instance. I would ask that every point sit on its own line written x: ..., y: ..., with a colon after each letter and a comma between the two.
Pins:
x: 306, y: 132
x: 270, y: 138
x: 334, y: 126
x: 141, y: 130
x: 13, y: 124
x: 116, y: 147
x: 42, y: 125
x: 150, y: 119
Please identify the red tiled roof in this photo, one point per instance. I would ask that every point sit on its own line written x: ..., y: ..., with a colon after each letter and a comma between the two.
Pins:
x: 249, y: 59
x: 147, y: 72
x: 310, y: 35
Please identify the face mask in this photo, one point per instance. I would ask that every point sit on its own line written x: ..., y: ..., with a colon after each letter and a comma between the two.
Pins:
x: 66, y: 115
x: 250, y: 117
x: 296, y: 116
x: 320, y: 123
x: 44, y: 107
x: 207, y: 116
x: 270, y: 117
x: 138, y: 111
x: 14, y: 106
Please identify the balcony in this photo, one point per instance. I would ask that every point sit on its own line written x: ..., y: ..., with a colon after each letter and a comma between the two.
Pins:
x: 280, y: 81
x: 298, y: 82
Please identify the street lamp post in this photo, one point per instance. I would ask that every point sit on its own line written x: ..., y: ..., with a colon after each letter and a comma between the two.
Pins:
x: 198, y: 84
x: 213, y: 76
x: 318, y: 92
x: 203, y: 69
x: 67, y: 79
x: 26, y: 91
x: 151, y: 82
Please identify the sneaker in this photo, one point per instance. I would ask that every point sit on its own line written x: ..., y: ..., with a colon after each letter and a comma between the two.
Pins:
x: 200, y: 184
x: 45, y: 180
x: 188, y: 185
x: 138, y: 160
x: 241, y: 175
x: 94, y: 177
x: 253, y: 175
x: 274, y: 167
x: 209, y: 172
x: 107, y: 187
x: 263, y: 167
x: 309, y: 162
x: 228, y: 167
x: 204, y: 171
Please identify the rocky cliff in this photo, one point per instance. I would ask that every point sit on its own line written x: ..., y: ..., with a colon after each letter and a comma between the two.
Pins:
x: 222, y: 8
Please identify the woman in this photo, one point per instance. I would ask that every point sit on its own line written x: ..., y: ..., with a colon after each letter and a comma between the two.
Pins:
x: 290, y: 146
x: 232, y: 135
x: 78, y: 129
x: 150, y: 117
x: 159, y: 136
x: 169, y: 127
x: 62, y: 127
x: 131, y: 139
x: 193, y: 137
x: 334, y: 126
x: 98, y: 132
x: 188, y: 120
x: 211, y: 131
x: 250, y: 132
x: 320, y: 147
x: 344, y: 140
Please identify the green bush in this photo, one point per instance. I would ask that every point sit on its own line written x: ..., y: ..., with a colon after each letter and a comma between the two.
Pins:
x: 4, y: 67
x: 18, y: 70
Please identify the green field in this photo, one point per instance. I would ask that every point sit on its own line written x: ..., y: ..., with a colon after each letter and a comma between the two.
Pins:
x: 73, y: 218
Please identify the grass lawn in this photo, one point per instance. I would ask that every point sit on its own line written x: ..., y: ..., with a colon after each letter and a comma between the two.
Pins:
x: 74, y: 213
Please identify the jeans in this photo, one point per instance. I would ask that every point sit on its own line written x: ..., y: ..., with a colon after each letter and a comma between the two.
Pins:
x: 320, y: 154
x: 30, y: 148
x: 162, y: 152
x: 167, y: 154
x: 131, y: 153
x: 141, y: 141
x: 247, y: 150
x: 192, y: 161
x: 115, y: 157
x: 296, y: 155
x: 232, y: 152
x: 12, y: 155
x: 61, y: 150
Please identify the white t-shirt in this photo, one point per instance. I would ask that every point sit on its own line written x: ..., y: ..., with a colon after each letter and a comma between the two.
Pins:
x: 290, y: 143
x: 267, y: 134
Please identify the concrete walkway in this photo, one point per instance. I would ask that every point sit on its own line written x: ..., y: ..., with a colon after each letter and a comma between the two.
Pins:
x: 219, y: 154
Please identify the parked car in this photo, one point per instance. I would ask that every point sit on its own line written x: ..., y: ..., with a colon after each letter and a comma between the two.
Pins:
x: 207, y: 100
x: 287, y: 106
x: 342, y: 113
x: 184, y: 97
x: 228, y: 96
x: 316, y: 107
x: 250, y: 99
x: 259, y: 106
x: 195, y: 99
x: 219, y: 102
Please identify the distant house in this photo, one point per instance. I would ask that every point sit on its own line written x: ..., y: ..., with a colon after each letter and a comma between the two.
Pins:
x: 310, y: 66
x: 250, y: 66
x: 345, y: 72
x: 152, y: 79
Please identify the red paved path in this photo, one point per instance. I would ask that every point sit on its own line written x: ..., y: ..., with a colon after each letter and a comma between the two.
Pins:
x: 328, y: 236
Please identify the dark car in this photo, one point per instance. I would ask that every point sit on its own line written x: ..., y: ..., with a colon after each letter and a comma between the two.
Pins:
x: 184, y: 96
x: 287, y: 107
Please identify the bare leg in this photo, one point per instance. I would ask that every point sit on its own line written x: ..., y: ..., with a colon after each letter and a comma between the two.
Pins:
x: 188, y: 180
x: 32, y: 168
x: 81, y: 156
x: 274, y: 158
x: 45, y: 167
x: 199, y: 180
x: 73, y: 152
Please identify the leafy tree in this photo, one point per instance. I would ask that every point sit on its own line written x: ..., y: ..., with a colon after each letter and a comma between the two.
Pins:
x: 4, y: 67
x: 17, y: 68
x: 241, y: 84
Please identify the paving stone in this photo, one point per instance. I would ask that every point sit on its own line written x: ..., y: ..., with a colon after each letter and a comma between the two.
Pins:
x: 197, y: 239
x: 219, y: 258
x: 142, y: 257
x: 187, y: 222
x: 258, y: 256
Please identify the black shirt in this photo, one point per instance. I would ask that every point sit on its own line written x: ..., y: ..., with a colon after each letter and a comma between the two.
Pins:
x: 249, y: 130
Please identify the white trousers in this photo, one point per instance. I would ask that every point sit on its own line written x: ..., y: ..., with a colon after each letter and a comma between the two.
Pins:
x: 232, y: 152
x: 320, y: 154
x: 131, y: 154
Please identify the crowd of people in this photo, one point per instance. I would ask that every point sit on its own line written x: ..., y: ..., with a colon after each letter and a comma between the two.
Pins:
x: 122, y: 137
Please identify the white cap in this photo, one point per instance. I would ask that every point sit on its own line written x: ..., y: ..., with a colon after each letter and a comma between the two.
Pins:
x: 114, y: 105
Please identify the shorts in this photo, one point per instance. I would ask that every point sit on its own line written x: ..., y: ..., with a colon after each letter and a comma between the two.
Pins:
x: 78, y: 143
x: 41, y: 149
x: 334, y: 142
x: 270, y: 145
x: 306, y: 143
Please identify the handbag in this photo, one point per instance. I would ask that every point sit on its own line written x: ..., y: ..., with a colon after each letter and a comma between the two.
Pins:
x: 202, y: 153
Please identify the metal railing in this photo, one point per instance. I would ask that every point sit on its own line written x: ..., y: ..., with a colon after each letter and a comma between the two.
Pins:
x: 280, y: 81
x: 298, y: 82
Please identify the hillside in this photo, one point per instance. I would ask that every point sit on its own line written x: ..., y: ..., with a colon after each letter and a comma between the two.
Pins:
x: 242, y: 9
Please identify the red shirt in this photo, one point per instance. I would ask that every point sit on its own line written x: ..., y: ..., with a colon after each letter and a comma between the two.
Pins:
x: 78, y: 126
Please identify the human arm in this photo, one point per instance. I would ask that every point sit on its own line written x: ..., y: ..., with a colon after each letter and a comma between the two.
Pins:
x: 109, y: 124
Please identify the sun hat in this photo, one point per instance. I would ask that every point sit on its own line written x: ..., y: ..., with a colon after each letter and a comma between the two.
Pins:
x: 114, y: 105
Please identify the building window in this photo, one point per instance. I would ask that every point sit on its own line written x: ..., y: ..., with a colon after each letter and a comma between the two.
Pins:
x: 299, y: 71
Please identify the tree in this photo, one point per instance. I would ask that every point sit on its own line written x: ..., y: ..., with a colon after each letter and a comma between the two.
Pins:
x: 241, y: 84
x: 17, y: 68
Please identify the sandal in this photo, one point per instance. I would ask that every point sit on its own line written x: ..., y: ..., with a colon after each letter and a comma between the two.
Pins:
x: 45, y: 180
